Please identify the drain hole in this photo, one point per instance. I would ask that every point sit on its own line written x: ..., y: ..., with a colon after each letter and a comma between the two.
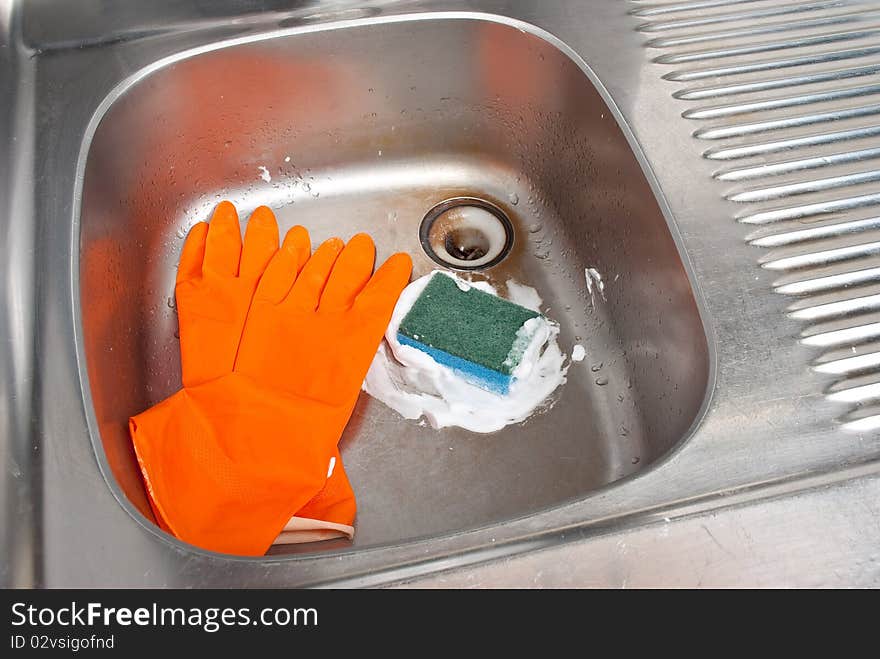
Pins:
x: 466, y: 233
x: 467, y: 244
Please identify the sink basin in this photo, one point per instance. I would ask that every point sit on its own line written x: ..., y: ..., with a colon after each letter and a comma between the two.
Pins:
x: 366, y: 127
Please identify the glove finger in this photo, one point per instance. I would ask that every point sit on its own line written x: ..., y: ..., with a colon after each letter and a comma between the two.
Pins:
x: 298, y: 240
x: 223, y: 248
x: 193, y: 253
x: 260, y: 243
x: 381, y: 292
x: 350, y: 273
x: 311, y: 281
x: 285, y: 264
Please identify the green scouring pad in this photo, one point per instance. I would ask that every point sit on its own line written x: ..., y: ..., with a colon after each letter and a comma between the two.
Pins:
x: 480, y: 336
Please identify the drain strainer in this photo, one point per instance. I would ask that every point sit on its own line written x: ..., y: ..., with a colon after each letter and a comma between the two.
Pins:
x: 466, y: 233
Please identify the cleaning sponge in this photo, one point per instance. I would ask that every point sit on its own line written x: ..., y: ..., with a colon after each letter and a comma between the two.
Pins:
x: 480, y: 336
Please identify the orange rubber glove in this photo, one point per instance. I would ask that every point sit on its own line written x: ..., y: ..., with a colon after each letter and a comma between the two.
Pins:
x: 230, y: 460
x: 345, y: 312
x: 216, y: 279
x: 319, y: 304
x: 327, y: 322
x: 329, y: 514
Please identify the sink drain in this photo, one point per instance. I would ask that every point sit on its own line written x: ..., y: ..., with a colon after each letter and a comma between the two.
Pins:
x: 466, y: 233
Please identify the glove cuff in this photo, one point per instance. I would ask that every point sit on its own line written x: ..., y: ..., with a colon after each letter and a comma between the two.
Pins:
x: 228, y: 463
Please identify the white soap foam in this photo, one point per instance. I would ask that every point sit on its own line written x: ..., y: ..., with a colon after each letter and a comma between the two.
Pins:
x: 264, y: 173
x: 594, y: 281
x: 412, y: 383
x: 578, y: 353
x: 524, y: 296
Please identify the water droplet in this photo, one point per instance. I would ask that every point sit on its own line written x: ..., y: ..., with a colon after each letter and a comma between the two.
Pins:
x: 624, y: 431
x: 636, y: 460
x: 619, y: 398
x: 513, y: 198
x: 597, y: 367
x: 602, y: 381
x: 171, y: 303
x: 535, y: 228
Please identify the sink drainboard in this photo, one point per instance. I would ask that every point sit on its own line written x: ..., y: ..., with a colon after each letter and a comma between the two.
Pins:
x: 786, y: 104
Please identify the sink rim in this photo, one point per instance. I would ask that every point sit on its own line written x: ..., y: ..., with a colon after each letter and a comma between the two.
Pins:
x: 85, y: 389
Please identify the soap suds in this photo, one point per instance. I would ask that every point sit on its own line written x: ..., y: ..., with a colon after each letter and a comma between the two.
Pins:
x: 412, y: 383
x: 264, y: 174
x: 524, y: 296
x: 462, y: 285
x: 522, y: 341
x: 594, y: 282
x: 578, y: 353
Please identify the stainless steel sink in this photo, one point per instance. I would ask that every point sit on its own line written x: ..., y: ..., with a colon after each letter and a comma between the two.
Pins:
x: 711, y: 161
x: 366, y: 127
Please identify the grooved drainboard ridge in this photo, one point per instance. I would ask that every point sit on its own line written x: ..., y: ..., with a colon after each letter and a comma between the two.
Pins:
x: 784, y: 96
